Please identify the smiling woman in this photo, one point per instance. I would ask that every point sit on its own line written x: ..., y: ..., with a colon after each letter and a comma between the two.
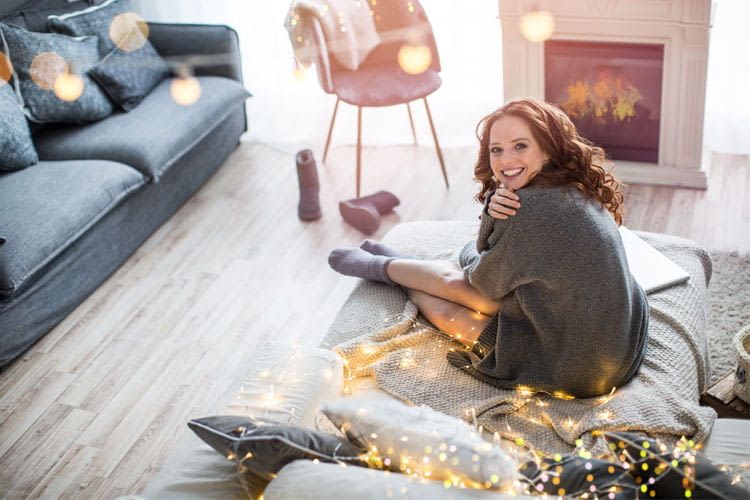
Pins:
x: 541, y: 284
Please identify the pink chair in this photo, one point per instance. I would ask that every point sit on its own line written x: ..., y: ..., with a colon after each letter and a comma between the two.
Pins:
x: 379, y: 81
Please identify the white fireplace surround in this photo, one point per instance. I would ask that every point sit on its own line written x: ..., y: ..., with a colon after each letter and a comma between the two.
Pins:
x: 682, y: 26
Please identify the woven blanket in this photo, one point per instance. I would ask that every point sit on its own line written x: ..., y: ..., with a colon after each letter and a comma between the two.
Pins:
x: 381, y: 333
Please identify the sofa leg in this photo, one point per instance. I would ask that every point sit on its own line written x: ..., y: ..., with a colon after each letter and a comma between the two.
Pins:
x: 437, y: 145
x: 330, y: 129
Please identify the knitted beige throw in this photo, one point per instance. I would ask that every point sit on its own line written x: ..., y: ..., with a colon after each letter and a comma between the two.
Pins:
x: 381, y: 334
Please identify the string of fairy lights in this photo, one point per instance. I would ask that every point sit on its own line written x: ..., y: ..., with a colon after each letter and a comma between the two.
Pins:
x: 440, y: 461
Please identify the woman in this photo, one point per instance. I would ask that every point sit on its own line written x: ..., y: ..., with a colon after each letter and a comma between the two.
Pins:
x: 544, y: 298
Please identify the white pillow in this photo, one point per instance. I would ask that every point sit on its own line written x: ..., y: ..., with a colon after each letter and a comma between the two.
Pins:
x: 420, y: 441
x: 288, y: 383
x: 306, y: 480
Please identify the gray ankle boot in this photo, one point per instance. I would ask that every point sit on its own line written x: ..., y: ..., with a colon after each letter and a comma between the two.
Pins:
x: 309, y: 187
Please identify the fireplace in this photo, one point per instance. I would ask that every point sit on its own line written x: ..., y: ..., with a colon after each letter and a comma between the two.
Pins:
x: 611, y: 91
x: 631, y: 75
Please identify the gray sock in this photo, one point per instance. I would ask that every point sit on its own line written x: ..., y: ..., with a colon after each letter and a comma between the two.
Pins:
x: 360, y: 263
x: 377, y: 248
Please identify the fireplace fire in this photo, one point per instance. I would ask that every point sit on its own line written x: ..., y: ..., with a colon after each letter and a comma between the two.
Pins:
x: 611, y: 91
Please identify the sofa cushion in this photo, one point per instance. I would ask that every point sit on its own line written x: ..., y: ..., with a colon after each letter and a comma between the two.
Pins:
x: 44, y: 208
x: 158, y: 131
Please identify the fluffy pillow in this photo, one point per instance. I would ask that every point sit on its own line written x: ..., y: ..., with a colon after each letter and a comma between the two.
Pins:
x: 671, y: 472
x: 16, y: 148
x: 305, y: 480
x: 38, y: 59
x: 130, y: 66
x: 419, y: 440
x: 262, y: 448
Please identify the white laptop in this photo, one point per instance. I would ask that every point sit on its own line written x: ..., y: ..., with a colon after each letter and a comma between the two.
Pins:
x: 651, y: 269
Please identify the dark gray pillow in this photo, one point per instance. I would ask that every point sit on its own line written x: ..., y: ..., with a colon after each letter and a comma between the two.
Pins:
x: 16, y: 148
x: 674, y: 469
x: 128, y: 77
x: 263, y: 448
x: 40, y: 104
x: 129, y: 69
x: 574, y: 476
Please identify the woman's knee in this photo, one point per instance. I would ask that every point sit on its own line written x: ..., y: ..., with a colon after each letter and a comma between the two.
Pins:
x: 466, y: 294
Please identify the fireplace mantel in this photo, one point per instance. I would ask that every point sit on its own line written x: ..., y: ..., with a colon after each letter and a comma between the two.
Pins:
x: 682, y: 26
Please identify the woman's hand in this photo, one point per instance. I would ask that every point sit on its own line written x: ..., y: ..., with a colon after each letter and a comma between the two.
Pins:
x: 503, y: 203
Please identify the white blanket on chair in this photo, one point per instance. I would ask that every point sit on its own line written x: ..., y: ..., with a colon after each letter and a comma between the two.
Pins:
x: 348, y: 27
x: 381, y: 334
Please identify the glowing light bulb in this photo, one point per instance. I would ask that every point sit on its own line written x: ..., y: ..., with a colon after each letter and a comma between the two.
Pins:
x: 128, y: 31
x: 537, y: 26
x: 46, y: 68
x: 414, y: 59
x: 185, y: 90
x: 68, y: 87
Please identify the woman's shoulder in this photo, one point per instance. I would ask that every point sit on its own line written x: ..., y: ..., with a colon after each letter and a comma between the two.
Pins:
x: 564, y: 207
x: 544, y: 198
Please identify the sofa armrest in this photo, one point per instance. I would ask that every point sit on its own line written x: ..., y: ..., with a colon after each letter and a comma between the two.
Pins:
x: 211, y: 49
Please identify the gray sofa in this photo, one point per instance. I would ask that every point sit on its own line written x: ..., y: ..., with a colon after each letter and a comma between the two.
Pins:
x: 99, y: 190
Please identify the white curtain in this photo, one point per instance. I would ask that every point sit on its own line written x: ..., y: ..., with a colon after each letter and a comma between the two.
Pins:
x: 284, y: 109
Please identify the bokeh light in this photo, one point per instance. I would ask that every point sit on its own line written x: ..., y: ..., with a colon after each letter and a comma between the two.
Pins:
x: 128, y: 31
x: 185, y: 90
x: 46, y: 68
x: 68, y: 87
x: 6, y: 70
x: 537, y: 26
x: 414, y: 59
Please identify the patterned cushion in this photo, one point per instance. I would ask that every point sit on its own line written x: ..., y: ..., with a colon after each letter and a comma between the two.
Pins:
x: 128, y: 77
x: 130, y: 67
x: 16, y: 149
x: 56, y: 53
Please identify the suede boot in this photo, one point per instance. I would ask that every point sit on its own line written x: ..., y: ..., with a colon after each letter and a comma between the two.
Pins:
x: 363, y: 216
x: 309, y: 187
x: 383, y: 201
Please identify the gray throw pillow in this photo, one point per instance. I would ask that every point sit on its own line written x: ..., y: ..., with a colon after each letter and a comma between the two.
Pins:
x: 130, y: 67
x: 128, y: 77
x: 34, y: 77
x: 16, y: 148
x: 261, y: 449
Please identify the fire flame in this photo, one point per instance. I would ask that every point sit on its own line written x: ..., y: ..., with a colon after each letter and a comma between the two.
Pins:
x: 608, y: 96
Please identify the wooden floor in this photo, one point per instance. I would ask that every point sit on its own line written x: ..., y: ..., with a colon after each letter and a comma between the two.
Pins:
x: 94, y: 407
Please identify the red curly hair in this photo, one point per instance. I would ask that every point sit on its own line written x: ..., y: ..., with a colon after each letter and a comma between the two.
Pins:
x: 573, y: 160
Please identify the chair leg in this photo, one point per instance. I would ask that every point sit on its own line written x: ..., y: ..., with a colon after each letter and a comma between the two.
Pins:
x: 411, y: 122
x: 437, y: 145
x: 330, y: 129
x: 359, y: 146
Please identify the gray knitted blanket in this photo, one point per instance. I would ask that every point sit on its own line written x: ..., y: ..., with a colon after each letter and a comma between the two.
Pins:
x: 381, y: 334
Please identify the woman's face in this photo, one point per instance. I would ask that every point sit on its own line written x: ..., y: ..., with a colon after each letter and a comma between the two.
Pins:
x: 515, y: 156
